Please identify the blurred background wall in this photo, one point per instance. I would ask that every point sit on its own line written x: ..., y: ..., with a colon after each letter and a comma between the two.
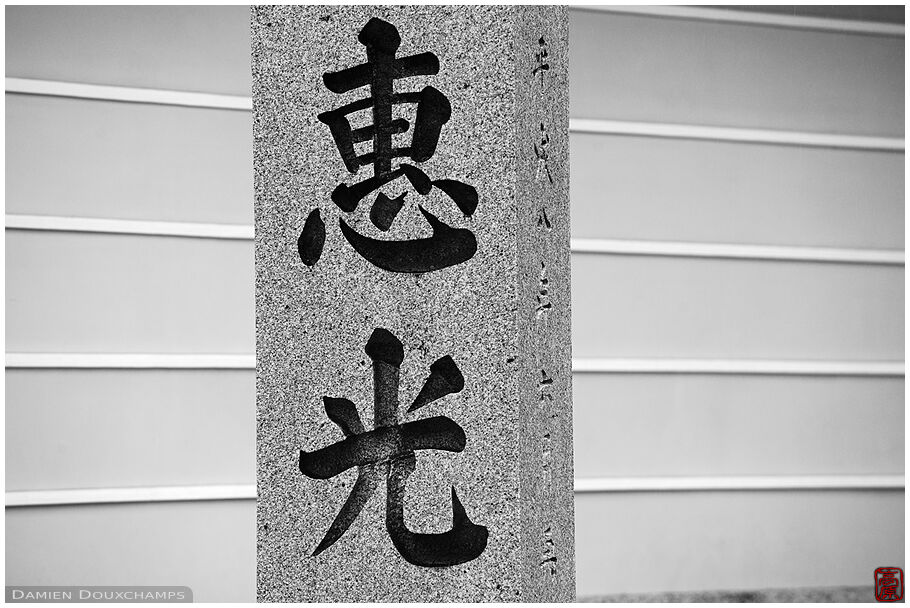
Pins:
x: 738, y: 296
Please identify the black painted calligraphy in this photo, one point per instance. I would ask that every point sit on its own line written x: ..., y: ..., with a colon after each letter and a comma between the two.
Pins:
x: 541, y: 58
x: 543, y: 221
x: 544, y: 305
x: 542, y: 151
x: 447, y: 246
x: 549, y: 558
x: 387, y: 453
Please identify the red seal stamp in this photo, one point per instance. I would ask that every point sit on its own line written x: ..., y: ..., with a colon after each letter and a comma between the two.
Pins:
x: 889, y: 584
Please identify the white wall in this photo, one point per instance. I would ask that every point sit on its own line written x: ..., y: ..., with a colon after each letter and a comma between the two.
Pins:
x: 76, y: 292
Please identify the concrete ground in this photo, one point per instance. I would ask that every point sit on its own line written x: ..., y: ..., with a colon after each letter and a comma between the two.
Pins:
x: 808, y: 594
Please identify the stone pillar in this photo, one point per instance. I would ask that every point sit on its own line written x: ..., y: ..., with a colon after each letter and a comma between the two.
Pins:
x: 414, y: 412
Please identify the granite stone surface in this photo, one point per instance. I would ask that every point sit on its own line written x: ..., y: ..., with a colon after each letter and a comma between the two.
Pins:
x: 414, y: 419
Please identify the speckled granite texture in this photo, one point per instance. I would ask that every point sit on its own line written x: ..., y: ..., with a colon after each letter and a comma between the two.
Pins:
x: 502, y: 316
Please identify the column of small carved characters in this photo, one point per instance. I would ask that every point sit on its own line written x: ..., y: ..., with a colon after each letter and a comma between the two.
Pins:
x: 547, y: 411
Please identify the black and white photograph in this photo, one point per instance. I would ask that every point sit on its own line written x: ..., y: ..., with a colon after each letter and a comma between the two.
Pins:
x: 454, y: 303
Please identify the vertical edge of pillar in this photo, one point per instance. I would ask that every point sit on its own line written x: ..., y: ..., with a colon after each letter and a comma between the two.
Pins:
x: 542, y: 191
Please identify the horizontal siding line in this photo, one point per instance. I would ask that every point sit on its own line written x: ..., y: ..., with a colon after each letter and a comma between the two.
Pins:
x: 763, y: 367
x: 579, y: 365
x: 578, y: 245
x: 737, y: 135
x: 128, y: 361
x: 889, y: 257
x: 89, y: 496
x: 724, y: 484
x: 803, y: 22
x: 118, y: 226
x: 56, y: 88
x: 579, y: 125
